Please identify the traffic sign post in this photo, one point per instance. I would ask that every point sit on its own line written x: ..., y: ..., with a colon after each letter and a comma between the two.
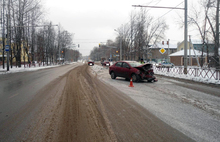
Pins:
x: 7, y: 47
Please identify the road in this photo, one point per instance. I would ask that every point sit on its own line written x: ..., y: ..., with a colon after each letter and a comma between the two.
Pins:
x: 21, y: 96
x: 75, y: 103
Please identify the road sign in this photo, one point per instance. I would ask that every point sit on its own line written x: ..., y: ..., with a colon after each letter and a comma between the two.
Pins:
x: 7, y: 47
x: 162, y: 50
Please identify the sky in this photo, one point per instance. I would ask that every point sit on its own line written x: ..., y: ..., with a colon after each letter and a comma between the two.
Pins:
x: 93, y: 21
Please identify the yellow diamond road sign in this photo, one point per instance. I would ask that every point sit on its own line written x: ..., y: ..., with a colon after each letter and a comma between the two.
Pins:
x: 162, y: 50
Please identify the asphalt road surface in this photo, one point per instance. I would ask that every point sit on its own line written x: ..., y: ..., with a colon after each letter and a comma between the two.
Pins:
x: 69, y: 103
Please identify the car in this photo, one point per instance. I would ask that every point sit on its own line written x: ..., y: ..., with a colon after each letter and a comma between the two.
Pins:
x: 132, y: 70
x: 90, y: 63
x: 105, y: 63
x: 165, y: 64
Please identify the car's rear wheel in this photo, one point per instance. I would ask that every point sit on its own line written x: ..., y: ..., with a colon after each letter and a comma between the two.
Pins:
x: 113, y: 76
x: 135, y: 78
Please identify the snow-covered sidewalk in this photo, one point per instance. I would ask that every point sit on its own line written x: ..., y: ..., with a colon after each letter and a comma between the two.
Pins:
x: 23, y: 68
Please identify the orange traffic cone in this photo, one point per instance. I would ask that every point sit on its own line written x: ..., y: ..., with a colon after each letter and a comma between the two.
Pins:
x: 131, y: 83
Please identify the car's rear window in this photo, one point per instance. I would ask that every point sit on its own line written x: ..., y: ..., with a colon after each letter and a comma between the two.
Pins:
x: 135, y: 64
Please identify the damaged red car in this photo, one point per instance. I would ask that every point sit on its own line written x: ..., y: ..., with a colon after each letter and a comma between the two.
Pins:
x: 132, y: 69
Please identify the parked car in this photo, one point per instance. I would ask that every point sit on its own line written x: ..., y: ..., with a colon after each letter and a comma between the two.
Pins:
x: 132, y: 69
x: 90, y: 63
x: 165, y: 65
x: 105, y: 63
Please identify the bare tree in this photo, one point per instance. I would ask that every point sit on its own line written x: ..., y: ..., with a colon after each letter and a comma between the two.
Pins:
x: 22, y: 14
x: 145, y: 31
x: 204, y: 18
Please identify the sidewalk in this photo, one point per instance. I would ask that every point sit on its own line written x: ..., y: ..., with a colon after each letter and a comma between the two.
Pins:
x: 15, y: 69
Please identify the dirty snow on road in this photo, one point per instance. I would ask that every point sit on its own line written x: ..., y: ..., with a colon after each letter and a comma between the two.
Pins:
x: 189, y: 110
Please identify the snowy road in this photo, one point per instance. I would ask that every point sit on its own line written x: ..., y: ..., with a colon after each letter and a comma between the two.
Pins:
x: 192, y: 108
x: 68, y: 104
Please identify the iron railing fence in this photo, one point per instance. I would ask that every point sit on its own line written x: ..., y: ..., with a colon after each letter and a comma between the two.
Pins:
x: 205, y: 73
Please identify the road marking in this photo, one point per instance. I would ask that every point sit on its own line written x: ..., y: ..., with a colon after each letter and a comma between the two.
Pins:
x: 13, y: 96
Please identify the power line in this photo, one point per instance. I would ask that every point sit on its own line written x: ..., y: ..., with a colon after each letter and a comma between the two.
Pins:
x: 158, y: 7
x: 168, y: 12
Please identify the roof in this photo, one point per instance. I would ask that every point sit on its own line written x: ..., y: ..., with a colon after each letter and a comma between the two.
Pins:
x: 181, y: 53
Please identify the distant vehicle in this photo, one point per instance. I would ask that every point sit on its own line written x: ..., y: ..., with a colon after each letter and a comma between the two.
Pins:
x: 106, y: 63
x: 90, y: 63
x: 165, y: 65
x: 132, y: 69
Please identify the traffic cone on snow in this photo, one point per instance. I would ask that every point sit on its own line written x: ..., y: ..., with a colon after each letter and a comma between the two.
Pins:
x: 131, y: 83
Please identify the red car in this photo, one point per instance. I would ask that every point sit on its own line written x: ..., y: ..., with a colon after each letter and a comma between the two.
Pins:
x: 132, y: 69
x: 90, y: 63
x: 105, y: 63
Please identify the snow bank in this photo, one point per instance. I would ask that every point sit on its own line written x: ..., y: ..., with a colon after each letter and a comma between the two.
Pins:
x: 26, y: 68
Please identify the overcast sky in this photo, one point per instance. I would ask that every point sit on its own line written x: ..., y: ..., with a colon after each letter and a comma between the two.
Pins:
x: 94, y: 21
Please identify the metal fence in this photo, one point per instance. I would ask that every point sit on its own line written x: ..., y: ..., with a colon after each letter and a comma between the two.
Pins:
x: 206, y: 73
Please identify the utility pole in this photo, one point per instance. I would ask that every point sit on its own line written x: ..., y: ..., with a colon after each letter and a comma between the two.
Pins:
x: 120, y: 48
x: 185, y: 39
x: 8, y: 35
x: 59, y: 42
x: 32, y: 40
x: 3, y: 34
